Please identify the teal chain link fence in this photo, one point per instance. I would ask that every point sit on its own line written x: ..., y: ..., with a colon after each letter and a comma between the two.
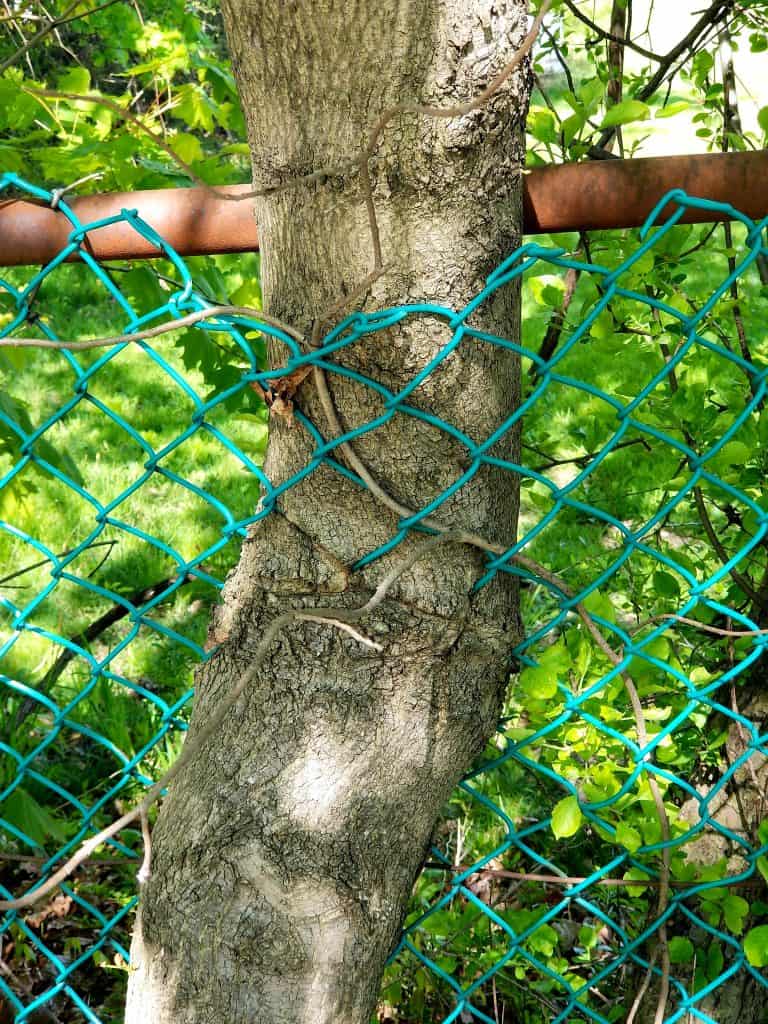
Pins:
x: 128, y: 476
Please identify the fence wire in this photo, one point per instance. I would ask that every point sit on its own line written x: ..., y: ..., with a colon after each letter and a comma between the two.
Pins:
x: 642, y: 492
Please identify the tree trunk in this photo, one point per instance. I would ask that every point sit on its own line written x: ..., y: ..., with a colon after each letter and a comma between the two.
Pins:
x: 285, y: 852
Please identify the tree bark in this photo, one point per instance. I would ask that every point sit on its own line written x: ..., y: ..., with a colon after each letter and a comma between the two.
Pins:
x: 285, y: 852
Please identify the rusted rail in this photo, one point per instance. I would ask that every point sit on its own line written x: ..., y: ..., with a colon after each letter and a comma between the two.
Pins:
x: 568, y: 197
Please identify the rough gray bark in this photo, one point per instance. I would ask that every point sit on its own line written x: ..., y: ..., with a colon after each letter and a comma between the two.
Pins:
x: 286, y: 851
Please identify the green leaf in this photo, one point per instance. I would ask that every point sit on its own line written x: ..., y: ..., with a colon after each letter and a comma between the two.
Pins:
x: 591, y: 94
x: 735, y: 453
x: 77, y: 79
x: 571, y: 126
x: 539, y: 683
x: 599, y: 604
x: 544, y: 940
x: 762, y: 119
x: 187, y: 146
x: 603, y: 327
x: 22, y: 810
x: 194, y: 107
x: 735, y: 909
x: 673, y: 108
x: 636, y: 875
x: 566, y: 817
x: 547, y: 290
x: 701, y: 65
x: 628, y: 837
x: 680, y: 950
x: 541, y: 125
x: 665, y: 584
x: 756, y: 946
x: 715, y: 961
x: 625, y: 112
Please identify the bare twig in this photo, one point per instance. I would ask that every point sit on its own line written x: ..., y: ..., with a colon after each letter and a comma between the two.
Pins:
x: 142, y: 875
x: 702, y: 626
x: 33, y: 860
x: 447, y: 113
x: 712, y: 16
x: 125, y: 114
x: 737, y: 576
x: 527, y: 876
x: 611, y: 36
x: 46, y: 561
x: 247, y: 312
x: 640, y: 995
x: 524, y: 561
x: 556, y: 323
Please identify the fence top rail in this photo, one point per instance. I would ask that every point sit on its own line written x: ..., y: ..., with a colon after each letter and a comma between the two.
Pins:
x: 567, y: 197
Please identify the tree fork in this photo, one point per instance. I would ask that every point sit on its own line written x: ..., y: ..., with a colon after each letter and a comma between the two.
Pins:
x: 285, y: 852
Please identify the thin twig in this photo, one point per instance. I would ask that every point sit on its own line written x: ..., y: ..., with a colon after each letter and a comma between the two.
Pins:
x: 32, y: 860
x: 526, y: 876
x: 142, y: 875
x: 557, y: 320
x: 46, y: 561
x: 737, y: 576
x: 125, y: 114
x: 523, y: 560
x: 712, y: 16
x: 640, y: 995
x: 446, y: 113
x: 247, y: 312
x: 700, y: 626
x: 610, y: 36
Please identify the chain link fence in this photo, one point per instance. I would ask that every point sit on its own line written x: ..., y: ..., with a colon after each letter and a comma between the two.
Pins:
x: 612, y: 840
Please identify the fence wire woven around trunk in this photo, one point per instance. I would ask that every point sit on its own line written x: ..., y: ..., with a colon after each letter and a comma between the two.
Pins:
x: 129, y: 475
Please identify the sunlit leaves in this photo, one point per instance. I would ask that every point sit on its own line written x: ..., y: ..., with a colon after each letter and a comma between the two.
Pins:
x: 626, y: 112
x: 566, y: 817
x: 173, y: 76
x: 756, y: 946
x: 74, y: 79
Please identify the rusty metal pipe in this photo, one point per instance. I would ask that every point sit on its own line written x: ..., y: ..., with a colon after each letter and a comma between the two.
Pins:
x: 193, y: 221
x: 621, y: 193
x: 566, y: 197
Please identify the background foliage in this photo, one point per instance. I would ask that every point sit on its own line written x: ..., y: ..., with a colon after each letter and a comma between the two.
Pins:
x: 126, y: 87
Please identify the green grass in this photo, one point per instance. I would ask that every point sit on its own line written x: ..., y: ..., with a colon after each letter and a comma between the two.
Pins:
x: 106, y: 460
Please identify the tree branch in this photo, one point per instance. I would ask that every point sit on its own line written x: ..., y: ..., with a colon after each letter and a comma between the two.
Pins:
x: 188, y: 320
x: 610, y: 36
x: 713, y: 15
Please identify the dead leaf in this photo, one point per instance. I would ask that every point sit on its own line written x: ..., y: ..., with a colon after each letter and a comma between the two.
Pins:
x: 59, y: 906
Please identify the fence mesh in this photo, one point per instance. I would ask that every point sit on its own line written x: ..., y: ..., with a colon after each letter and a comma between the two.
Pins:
x: 127, y: 481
